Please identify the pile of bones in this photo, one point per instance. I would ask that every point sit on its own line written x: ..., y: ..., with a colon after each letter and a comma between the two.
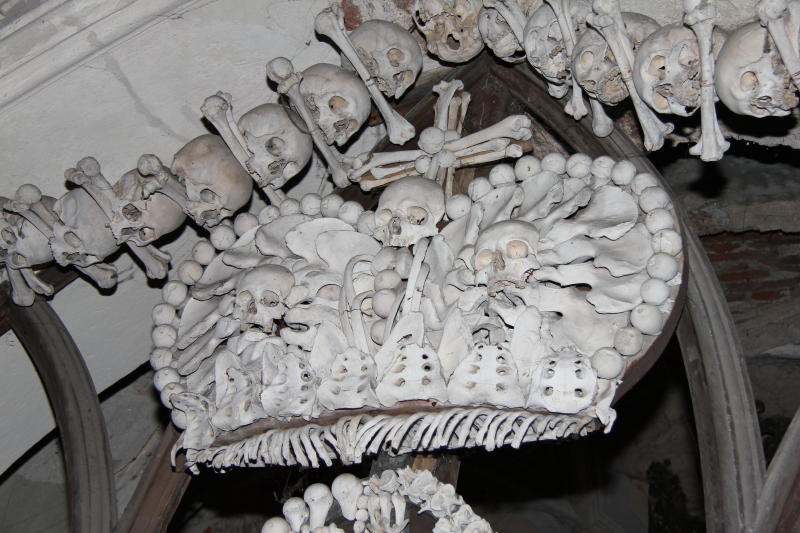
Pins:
x: 314, y: 329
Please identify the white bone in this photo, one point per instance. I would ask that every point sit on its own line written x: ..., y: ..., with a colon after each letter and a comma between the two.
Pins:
x: 450, y: 29
x: 296, y: 512
x: 346, y: 489
x: 701, y: 16
x: 319, y: 499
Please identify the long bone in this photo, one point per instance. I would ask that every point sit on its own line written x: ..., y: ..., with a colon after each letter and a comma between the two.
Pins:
x: 772, y: 13
x: 150, y: 165
x: 281, y: 71
x: 28, y: 204
x: 87, y: 175
x: 576, y: 107
x: 218, y: 109
x: 330, y: 23
x: 700, y: 16
x: 607, y: 19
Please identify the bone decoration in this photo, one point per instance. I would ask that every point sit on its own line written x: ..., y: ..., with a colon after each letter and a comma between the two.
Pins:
x: 302, y: 335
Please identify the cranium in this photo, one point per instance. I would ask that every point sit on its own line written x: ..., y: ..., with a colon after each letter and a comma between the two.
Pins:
x: 750, y: 76
x: 216, y: 184
x: 544, y: 44
x: 280, y: 149
x: 409, y: 210
x: 499, y: 37
x: 390, y: 53
x: 261, y: 295
x: 667, y: 70
x: 82, y: 237
x: 505, y: 252
x: 450, y: 28
x: 22, y: 245
x: 141, y: 216
x: 337, y: 99
x: 564, y: 383
x: 594, y: 65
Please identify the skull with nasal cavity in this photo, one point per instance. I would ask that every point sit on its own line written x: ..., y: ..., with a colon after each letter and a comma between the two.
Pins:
x: 261, y: 295
x: 505, y: 253
x: 409, y: 210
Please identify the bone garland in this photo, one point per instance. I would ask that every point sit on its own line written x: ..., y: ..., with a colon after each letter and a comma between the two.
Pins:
x: 330, y: 23
x: 700, y: 16
x: 378, y: 503
x: 369, y: 323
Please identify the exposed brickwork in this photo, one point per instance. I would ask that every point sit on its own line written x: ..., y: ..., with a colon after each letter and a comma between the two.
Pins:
x: 760, y: 275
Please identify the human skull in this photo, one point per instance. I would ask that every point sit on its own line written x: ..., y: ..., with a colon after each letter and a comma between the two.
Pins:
x: 505, y: 252
x: 544, y: 44
x: 337, y: 99
x: 22, y: 245
x: 82, y: 237
x: 450, y: 28
x: 594, y: 65
x: 140, y: 216
x: 499, y: 37
x: 390, y: 53
x: 667, y: 70
x: 261, y: 295
x: 750, y: 76
x: 564, y: 383
x: 408, y: 211
x: 216, y: 184
x: 279, y: 147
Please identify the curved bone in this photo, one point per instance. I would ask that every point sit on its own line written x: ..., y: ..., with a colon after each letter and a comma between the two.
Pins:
x: 700, y: 16
x: 281, y: 71
x: 607, y: 19
x: 330, y: 23
x: 512, y: 12
x: 773, y: 16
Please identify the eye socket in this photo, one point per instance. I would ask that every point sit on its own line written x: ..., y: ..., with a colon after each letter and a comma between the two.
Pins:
x: 8, y: 236
x: 417, y: 215
x: 337, y: 103
x: 483, y: 258
x: 658, y: 67
x: 383, y: 216
x: 687, y: 57
x: 749, y: 80
x: 208, y: 196
x: 516, y: 249
x: 586, y: 59
x: 275, y: 146
x: 269, y: 299
x: 395, y: 56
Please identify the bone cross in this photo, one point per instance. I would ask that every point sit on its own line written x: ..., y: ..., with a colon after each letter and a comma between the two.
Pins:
x: 607, y: 18
x: 330, y: 23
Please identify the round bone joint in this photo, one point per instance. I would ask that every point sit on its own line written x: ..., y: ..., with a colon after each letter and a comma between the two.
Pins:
x: 478, y: 188
x: 647, y: 319
x: 554, y: 162
x: 457, y: 206
x: 526, y: 167
x: 608, y: 363
x: 654, y: 291
x: 330, y: 205
x: 623, y: 172
x: 653, y: 198
x: 628, y: 341
x: 642, y: 181
x: 268, y: 214
x: 403, y: 259
x: 384, y: 259
x: 662, y: 266
x: 366, y: 222
x: 377, y: 330
x: 667, y: 241
x: 501, y: 174
x: 163, y: 313
x: 658, y: 219
x: 28, y: 193
x: 203, y: 252
x: 276, y: 524
x: 431, y: 140
x: 223, y: 236
x: 382, y: 302
x: 290, y: 206
x: 387, y: 279
x: 168, y: 390
x: 164, y: 376
x: 601, y: 166
x: 178, y: 418
x: 190, y: 271
x: 310, y: 204
x: 164, y: 336
x: 350, y: 211
x: 579, y: 165
x: 174, y: 293
x: 244, y: 222
x: 160, y: 358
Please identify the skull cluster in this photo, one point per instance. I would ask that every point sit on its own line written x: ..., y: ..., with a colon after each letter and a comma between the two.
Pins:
x: 409, y: 210
x: 505, y: 252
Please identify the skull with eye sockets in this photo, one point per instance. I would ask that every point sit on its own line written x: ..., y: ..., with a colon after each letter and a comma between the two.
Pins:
x: 279, y: 148
x: 505, y: 253
x: 261, y: 296
x: 391, y: 54
x: 409, y: 210
x: 337, y: 100
x: 216, y: 184
x: 450, y: 28
x: 750, y: 76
